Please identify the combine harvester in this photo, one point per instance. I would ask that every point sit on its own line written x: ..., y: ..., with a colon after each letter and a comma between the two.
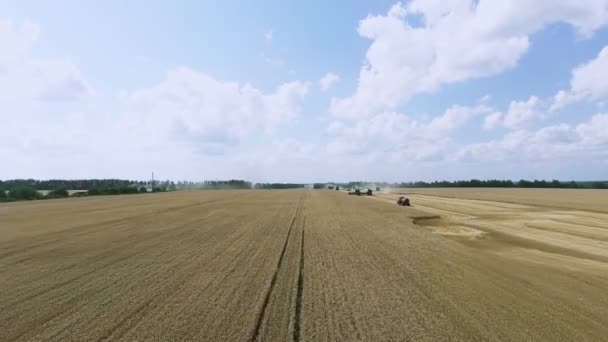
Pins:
x: 359, y: 193
x: 403, y: 201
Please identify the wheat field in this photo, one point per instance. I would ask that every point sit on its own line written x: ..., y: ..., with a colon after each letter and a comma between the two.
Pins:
x: 307, y: 265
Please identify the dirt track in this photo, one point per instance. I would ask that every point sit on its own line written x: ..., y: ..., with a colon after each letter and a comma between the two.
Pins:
x: 300, y: 265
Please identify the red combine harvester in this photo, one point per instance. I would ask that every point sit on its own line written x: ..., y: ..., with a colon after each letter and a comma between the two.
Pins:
x: 403, y: 201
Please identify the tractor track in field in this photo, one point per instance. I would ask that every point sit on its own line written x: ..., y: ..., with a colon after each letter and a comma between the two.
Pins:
x: 129, y: 320
x: 256, y: 335
x: 300, y: 290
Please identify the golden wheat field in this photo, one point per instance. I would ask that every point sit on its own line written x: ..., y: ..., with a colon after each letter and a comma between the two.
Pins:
x: 307, y: 265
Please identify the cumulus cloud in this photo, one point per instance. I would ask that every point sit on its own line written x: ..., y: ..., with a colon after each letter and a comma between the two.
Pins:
x: 588, y: 82
x: 268, y: 36
x: 585, y: 140
x: 16, y: 41
x: 182, y: 122
x: 328, y: 80
x: 521, y: 113
x: 485, y: 99
x: 398, y: 136
x: 492, y: 120
x: 196, y: 125
x: 188, y: 125
x: 23, y: 77
x: 214, y: 114
x: 418, y: 47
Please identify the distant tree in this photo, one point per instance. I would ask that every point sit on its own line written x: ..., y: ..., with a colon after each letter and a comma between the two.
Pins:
x: 77, y: 184
x: 599, y: 185
x: 172, y: 186
x: 111, y: 191
x: 127, y: 190
x: 524, y: 184
x: 492, y: 183
x: 3, y: 196
x: 24, y: 193
x: 278, y: 186
x: 229, y: 184
x: 143, y: 190
x: 58, y: 193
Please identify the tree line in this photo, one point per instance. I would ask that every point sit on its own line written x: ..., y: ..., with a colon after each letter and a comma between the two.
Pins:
x: 72, y: 184
x: 20, y: 193
x: 279, y: 186
x: 495, y: 183
x: 476, y: 183
x: 229, y: 184
x: 32, y: 189
x: 214, y: 185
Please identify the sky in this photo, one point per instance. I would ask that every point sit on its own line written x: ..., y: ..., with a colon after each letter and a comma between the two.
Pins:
x: 303, y: 91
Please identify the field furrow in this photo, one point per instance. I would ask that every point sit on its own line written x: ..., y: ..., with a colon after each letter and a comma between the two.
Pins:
x: 275, y: 321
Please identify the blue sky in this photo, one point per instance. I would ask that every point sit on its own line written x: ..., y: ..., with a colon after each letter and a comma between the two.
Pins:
x: 414, y: 90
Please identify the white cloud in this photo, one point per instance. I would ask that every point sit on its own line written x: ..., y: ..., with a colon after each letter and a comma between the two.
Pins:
x: 179, y: 126
x: 492, y: 120
x: 16, y: 41
x: 399, y: 137
x: 485, y: 99
x: 494, y: 150
x: 588, y: 82
x: 454, y: 118
x: 586, y: 140
x: 268, y: 35
x: 418, y: 47
x: 189, y: 125
x: 328, y: 80
x: 60, y: 80
x: 23, y: 77
x: 276, y: 62
x: 524, y: 17
x: 521, y: 113
x: 211, y: 113
x: 595, y: 132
